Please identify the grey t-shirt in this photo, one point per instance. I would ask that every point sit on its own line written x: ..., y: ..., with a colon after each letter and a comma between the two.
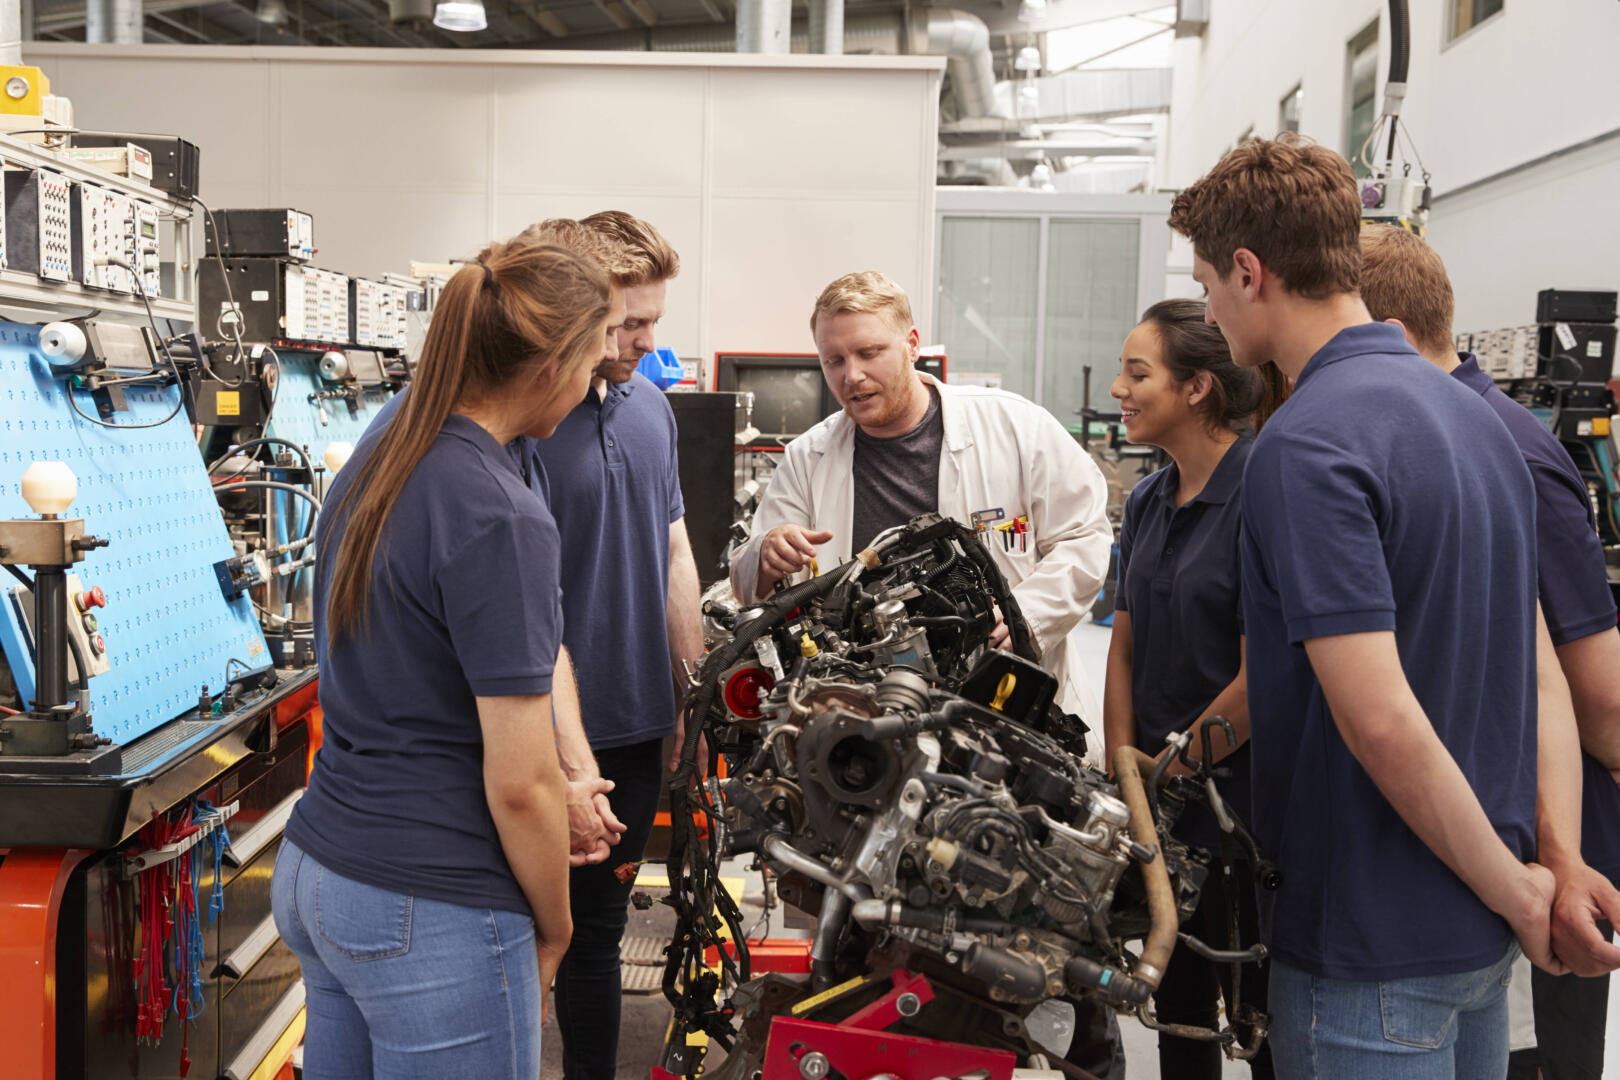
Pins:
x: 897, y: 478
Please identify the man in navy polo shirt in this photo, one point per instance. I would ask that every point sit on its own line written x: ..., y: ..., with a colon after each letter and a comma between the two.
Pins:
x: 1404, y: 281
x: 1394, y: 755
x: 630, y: 618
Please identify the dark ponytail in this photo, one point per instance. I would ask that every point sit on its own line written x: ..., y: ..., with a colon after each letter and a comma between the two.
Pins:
x: 517, y: 322
x: 1239, y: 398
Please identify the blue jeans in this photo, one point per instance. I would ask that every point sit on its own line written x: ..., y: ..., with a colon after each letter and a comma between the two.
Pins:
x: 404, y: 988
x: 1432, y: 1027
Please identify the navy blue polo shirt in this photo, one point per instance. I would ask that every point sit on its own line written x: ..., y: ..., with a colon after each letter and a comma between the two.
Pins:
x: 1573, y: 580
x: 464, y: 603
x: 1180, y: 577
x: 1369, y: 504
x: 614, y: 487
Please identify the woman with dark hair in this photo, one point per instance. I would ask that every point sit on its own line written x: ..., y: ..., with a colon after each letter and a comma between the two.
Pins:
x: 1176, y: 656
x: 423, y: 879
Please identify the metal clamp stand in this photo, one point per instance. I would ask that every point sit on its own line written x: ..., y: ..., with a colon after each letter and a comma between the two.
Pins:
x: 56, y: 728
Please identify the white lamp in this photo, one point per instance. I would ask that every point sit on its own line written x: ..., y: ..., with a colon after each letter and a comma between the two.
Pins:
x: 464, y: 16
x: 1028, y: 59
x: 48, y: 487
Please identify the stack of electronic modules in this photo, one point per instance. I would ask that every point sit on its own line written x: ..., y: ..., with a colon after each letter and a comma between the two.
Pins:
x: 257, y: 285
x: 65, y: 229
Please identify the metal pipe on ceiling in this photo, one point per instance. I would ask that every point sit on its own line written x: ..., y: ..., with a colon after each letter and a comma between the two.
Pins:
x: 964, y: 40
x: 827, y: 27
x: 764, y: 26
x: 113, y: 22
x: 11, y: 20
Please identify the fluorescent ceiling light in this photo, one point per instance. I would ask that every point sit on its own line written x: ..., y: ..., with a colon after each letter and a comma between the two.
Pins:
x: 460, y: 15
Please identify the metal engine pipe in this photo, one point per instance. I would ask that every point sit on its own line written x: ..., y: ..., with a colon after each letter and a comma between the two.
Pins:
x: 1161, y: 939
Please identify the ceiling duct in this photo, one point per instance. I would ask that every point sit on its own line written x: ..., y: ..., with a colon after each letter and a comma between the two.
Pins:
x: 964, y: 40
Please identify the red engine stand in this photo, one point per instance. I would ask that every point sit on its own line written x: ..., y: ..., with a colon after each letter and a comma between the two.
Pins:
x: 858, y: 1048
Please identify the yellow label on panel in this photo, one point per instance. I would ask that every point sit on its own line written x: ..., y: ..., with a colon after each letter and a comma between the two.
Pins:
x: 229, y: 403
x: 802, y: 1007
x: 1600, y: 425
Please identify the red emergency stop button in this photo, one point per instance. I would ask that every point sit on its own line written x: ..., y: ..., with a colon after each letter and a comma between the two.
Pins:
x: 92, y: 597
x: 99, y: 644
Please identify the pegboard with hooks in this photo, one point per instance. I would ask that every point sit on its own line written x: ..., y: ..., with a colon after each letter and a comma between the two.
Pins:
x: 169, y: 631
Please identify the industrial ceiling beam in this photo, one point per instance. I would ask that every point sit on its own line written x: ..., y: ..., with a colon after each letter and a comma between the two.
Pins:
x: 1055, y: 147
x: 715, y: 11
x: 197, y: 36
x: 548, y: 21
x: 58, y: 17
x: 615, y: 10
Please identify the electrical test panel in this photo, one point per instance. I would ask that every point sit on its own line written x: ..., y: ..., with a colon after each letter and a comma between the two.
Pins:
x: 39, y: 226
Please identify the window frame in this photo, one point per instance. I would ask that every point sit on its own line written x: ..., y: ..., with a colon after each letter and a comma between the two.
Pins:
x: 1150, y: 211
x: 1297, y: 90
x: 1375, y: 29
x: 1448, y: 12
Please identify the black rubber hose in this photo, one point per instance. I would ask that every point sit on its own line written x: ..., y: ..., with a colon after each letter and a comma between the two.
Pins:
x: 1400, y: 40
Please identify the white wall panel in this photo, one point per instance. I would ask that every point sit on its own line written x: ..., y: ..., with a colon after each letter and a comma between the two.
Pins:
x: 770, y: 175
x: 768, y: 268
x: 854, y: 134
x: 557, y: 130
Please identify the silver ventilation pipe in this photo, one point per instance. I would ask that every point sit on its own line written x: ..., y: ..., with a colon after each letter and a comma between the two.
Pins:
x: 11, y: 21
x: 964, y: 40
x: 764, y: 26
x: 113, y: 22
x: 827, y: 26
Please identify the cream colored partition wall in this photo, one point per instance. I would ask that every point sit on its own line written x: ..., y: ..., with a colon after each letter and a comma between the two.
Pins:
x: 771, y: 175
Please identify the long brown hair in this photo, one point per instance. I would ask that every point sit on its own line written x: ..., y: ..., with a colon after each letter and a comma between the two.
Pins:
x: 514, y: 323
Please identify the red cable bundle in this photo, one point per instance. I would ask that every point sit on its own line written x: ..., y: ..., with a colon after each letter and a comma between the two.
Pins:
x: 160, y: 888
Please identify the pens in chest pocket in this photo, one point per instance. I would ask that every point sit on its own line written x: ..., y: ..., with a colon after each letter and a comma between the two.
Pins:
x: 1014, y: 534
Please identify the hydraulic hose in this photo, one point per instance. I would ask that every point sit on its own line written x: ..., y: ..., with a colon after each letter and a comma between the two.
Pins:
x: 1161, y: 939
x: 1400, y: 40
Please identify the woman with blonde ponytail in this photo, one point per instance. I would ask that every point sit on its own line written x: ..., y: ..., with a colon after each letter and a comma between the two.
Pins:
x: 423, y: 881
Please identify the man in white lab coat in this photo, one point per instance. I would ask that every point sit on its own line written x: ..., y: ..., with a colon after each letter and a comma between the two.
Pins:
x: 905, y: 444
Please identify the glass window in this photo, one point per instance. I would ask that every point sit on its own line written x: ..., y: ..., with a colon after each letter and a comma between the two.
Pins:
x: 1361, y: 77
x: 1467, y: 14
x: 1288, y: 109
x: 988, y: 287
x: 1091, y: 270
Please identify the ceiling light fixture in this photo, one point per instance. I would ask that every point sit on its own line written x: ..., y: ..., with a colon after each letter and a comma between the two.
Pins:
x: 1030, y: 11
x: 1028, y: 59
x: 464, y: 16
x: 272, y: 12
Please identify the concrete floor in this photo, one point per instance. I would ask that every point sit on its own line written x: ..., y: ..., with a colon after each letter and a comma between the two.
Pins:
x: 645, y: 1017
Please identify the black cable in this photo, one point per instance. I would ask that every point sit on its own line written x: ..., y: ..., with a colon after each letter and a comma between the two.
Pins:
x: 230, y: 296
x: 270, y: 485
x: 19, y: 575
x: 74, y: 405
x: 262, y: 441
x: 78, y: 659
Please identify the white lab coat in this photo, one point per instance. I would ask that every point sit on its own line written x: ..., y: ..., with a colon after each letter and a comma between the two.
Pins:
x: 999, y: 450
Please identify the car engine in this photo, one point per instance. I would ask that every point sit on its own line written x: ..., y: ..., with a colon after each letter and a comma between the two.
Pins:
x: 917, y: 790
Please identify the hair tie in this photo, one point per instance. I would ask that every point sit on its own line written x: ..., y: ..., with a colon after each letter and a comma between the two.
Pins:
x: 489, y: 275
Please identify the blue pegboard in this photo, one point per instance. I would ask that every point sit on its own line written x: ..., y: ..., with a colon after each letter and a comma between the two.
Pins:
x: 297, y: 419
x: 169, y: 629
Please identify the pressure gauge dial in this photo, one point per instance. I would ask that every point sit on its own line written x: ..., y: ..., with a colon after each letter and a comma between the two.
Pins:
x: 16, y: 87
